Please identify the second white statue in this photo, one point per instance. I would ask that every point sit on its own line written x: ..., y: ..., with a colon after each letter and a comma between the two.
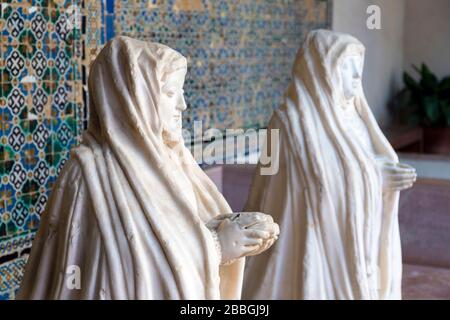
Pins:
x: 336, y: 193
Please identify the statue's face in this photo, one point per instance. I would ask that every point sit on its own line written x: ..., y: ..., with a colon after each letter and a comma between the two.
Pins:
x: 351, y: 73
x: 172, y: 101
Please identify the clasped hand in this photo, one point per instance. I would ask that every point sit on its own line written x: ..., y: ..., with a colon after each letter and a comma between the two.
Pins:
x: 244, y: 234
x: 396, y: 176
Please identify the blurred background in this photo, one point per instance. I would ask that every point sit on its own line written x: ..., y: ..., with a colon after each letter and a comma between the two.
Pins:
x: 240, y: 56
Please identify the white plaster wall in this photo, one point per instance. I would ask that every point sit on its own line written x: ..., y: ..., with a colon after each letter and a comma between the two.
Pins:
x: 427, y: 35
x: 384, y: 48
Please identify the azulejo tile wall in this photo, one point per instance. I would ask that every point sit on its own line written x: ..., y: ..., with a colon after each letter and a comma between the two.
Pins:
x: 43, y: 60
x: 239, y: 53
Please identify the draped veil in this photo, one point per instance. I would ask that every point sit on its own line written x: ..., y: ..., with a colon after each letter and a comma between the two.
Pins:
x: 118, y: 211
x: 339, y: 231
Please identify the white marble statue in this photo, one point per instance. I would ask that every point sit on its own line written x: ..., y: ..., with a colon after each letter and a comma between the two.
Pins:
x: 132, y: 216
x: 336, y: 193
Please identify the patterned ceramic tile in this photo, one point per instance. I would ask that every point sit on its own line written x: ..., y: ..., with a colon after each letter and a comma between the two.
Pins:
x: 44, y: 54
x: 16, y: 243
x: 239, y: 52
x: 10, y: 275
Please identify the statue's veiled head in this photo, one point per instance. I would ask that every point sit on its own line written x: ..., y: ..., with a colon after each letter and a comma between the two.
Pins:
x: 136, y: 88
x: 334, y: 60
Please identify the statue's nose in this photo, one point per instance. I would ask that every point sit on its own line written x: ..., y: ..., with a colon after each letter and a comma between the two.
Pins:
x: 181, y: 104
x: 356, y: 71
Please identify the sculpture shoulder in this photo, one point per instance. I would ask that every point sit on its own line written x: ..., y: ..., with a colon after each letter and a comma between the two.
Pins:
x: 278, y: 122
x: 275, y: 121
x: 277, y: 130
x: 71, y: 176
x: 67, y: 194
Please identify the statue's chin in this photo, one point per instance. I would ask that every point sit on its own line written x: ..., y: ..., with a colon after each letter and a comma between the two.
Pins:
x: 172, y: 137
